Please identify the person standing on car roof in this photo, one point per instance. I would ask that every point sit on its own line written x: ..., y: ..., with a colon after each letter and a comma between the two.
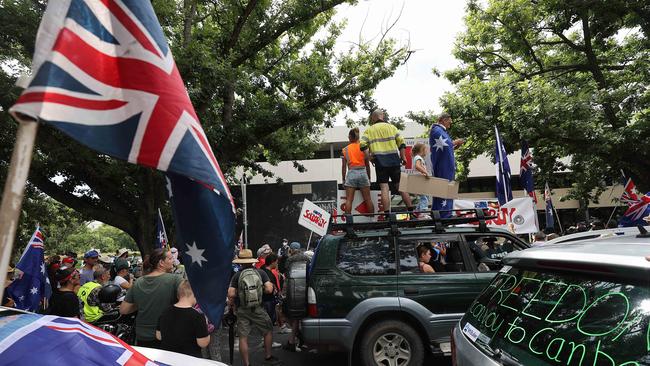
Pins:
x: 443, y: 162
x: 355, y: 170
x: 386, y: 148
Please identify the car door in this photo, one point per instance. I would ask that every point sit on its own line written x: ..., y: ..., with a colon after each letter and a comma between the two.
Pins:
x: 443, y: 291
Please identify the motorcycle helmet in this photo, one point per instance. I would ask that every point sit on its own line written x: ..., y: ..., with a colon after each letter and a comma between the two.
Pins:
x: 109, y: 293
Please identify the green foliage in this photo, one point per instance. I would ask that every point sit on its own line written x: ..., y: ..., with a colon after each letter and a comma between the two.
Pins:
x: 571, y: 77
x: 264, y: 79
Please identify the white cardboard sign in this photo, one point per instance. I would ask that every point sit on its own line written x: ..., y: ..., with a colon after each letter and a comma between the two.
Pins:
x: 314, y: 218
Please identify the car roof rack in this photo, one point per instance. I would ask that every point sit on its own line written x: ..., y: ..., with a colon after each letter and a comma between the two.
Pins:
x: 391, y: 222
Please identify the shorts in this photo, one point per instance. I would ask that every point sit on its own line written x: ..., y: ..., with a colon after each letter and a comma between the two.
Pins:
x: 357, y: 178
x: 249, y: 318
x: 392, y: 173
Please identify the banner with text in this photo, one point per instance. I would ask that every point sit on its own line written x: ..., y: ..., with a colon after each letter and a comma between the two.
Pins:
x: 519, y: 211
x: 314, y: 218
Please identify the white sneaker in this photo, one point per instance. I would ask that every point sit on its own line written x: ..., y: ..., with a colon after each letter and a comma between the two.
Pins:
x: 276, y: 345
x: 285, y: 330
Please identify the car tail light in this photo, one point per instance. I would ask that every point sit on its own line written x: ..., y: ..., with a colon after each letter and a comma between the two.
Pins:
x: 312, y: 308
x: 453, y: 349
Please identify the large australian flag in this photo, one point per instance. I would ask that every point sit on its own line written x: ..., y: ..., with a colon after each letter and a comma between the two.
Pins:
x: 103, y: 73
x: 443, y: 164
x: 32, y: 286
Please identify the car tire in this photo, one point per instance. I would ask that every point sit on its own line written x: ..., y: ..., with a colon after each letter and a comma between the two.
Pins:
x: 391, y: 343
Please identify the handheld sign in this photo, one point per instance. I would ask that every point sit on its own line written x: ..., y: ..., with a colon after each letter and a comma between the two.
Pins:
x: 314, y: 218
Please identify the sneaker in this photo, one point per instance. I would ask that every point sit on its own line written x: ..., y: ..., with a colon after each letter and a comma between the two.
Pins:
x: 291, y: 347
x: 276, y: 345
x: 285, y: 329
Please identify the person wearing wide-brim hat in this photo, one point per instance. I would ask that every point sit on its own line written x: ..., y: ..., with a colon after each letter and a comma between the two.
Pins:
x: 251, y: 316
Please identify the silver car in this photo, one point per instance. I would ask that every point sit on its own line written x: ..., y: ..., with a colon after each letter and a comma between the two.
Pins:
x: 582, y: 303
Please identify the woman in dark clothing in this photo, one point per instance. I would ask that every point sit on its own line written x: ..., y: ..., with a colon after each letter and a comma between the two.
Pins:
x: 64, y: 301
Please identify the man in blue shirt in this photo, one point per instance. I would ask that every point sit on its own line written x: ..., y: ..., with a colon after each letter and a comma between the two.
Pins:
x: 443, y: 161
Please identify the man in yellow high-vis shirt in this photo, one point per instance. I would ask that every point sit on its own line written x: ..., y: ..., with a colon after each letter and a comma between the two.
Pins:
x: 386, y: 149
x: 89, y: 295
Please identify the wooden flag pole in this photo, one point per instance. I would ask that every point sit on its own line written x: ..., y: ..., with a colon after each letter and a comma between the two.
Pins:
x: 12, y: 196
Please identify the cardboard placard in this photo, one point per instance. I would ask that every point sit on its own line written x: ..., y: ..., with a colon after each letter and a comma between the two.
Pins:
x: 431, y: 186
x: 314, y: 218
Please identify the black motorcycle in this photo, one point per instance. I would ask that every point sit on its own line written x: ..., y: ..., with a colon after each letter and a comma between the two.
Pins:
x: 119, y: 325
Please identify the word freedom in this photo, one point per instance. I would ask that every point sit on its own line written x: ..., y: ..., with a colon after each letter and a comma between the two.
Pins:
x: 557, y: 307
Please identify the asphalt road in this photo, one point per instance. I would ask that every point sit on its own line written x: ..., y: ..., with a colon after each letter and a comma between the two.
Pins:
x: 303, y: 357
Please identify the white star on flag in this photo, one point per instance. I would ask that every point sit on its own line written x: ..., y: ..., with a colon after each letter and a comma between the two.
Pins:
x: 33, y: 291
x: 440, y: 143
x: 444, y: 203
x: 21, y: 298
x: 196, y: 254
x: 43, y: 268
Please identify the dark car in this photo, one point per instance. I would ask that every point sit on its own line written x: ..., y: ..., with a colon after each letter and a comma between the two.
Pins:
x: 367, y: 295
x: 579, y: 303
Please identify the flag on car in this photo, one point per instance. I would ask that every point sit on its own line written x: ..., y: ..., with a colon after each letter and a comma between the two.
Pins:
x: 638, y: 206
x: 104, y: 74
x: 161, y: 234
x: 32, y: 286
x: 526, y: 171
x: 61, y: 341
x: 550, y: 221
x: 503, y: 187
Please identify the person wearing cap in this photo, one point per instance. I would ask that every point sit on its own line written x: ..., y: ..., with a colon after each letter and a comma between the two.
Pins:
x: 64, y: 302
x: 284, y: 248
x: 88, y: 294
x: 87, y: 271
x: 255, y: 317
x: 122, y: 277
x: 261, y: 255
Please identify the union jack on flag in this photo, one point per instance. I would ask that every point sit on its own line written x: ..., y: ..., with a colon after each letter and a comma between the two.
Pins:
x: 103, y: 73
x: 630, y: 195
x: 61, y: 341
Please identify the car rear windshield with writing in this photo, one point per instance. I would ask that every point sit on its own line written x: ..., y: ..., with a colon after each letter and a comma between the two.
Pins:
x: 555, y: 319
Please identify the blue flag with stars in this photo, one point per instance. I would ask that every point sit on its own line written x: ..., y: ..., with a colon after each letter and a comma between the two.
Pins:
x: 205, y: 236
x: 504, y: 190
x: 443, y: 164
x: 32, y: 285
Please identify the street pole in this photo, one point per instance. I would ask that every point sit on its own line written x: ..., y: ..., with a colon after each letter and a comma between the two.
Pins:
x: 243, y: 197
x: 12, y: 196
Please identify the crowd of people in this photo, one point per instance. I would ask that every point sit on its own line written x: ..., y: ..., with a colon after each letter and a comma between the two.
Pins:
x: 168, y: 316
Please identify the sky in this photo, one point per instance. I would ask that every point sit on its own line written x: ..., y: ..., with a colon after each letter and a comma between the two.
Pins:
x: 431, y: 27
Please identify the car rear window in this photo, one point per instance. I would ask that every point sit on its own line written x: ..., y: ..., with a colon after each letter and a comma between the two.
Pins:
x: 367, y: 256
x: 544, y: 318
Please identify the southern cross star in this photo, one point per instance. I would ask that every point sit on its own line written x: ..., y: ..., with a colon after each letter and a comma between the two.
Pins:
x: 440, y: 143
x: 196, y: 254
x: 33, y: 291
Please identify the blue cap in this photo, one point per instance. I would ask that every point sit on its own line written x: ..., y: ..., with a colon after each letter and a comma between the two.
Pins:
x: 91, y: 254
x: 294, y: 245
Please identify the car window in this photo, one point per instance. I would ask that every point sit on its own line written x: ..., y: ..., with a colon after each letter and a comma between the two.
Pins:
x: 547, y: 318
x: 367, y: 256
x: 446, y: 255
x: 492, y: 247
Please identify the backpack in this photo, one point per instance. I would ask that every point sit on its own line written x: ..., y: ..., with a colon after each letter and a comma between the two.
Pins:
x: 250, y: 288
